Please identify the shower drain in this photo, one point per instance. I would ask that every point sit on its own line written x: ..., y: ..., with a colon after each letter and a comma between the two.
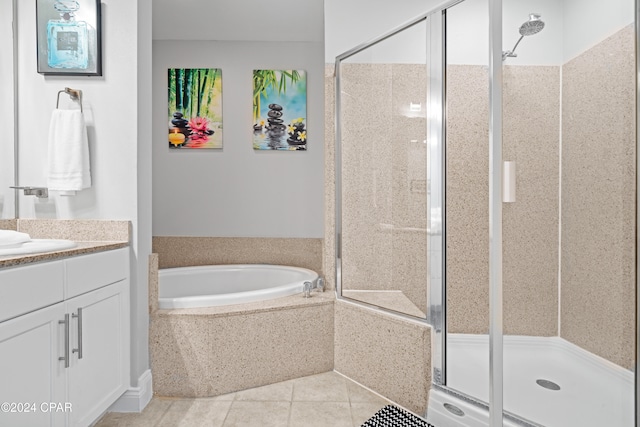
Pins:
x: 550, y: 385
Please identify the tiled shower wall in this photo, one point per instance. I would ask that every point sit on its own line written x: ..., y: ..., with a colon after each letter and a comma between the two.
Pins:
x: 530, y: 226
x: 467, y: 199
x: 598, y: 199
x: 531, y: 130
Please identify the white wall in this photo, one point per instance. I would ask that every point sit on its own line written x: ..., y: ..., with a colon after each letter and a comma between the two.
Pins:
x: 350, y: 23
x: 117, y: 132
x: 110, y: 106
x: 588, y: 22
x: 408, y: 46
x: 233, y: 20
x: 236, y: 191
x: 7, y: 208
x: 142, y: 224
x: 571, y: 27
x: 467, y: 30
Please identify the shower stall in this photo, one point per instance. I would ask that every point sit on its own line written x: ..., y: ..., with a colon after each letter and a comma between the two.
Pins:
x: 493, y: 195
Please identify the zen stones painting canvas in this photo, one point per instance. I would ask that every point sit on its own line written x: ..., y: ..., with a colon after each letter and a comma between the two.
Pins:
x: 279, y: 110
x: 195, y: 108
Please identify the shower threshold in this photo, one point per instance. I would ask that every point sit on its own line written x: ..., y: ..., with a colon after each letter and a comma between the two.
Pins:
x: 546, y: 380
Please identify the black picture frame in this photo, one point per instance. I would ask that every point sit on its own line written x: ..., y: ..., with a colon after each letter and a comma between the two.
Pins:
x: 69, y: 37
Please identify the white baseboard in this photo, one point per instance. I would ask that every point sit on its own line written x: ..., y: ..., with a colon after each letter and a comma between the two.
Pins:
x: 136, y: 398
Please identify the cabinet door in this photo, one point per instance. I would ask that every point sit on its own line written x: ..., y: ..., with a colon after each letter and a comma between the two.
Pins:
x: 99, y: 371
x: 31, y: 374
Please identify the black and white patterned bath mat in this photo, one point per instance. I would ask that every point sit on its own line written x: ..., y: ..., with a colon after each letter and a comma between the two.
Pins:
x: 392, y: 416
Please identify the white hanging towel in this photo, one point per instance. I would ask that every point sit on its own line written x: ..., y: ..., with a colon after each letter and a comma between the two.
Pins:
x: 68, y: 152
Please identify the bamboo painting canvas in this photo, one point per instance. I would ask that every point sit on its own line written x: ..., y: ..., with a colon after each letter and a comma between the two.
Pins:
x: 195, y: 108
x: 279, y: 110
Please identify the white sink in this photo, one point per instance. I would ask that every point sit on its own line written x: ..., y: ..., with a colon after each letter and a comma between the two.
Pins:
x: 35, y: 246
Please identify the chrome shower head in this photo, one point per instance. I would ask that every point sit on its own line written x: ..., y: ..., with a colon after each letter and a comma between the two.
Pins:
x: 533, y: 26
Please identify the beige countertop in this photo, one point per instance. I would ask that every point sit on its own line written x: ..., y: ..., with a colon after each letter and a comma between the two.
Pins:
x: 90, y: 236
x: 82, y: 248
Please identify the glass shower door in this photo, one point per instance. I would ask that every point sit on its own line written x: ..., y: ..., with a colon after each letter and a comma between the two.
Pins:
x: 568, y: 222
x: 466, y: 164
x: 382, y: 172
x: 566, y: 278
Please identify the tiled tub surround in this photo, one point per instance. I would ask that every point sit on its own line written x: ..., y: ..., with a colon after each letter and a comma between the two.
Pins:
x: 153, y: 283
x: 211, y: 351
x: 329, y: 244
x: 216, y: 350
x: 185, y: 251
x: 89, y: 235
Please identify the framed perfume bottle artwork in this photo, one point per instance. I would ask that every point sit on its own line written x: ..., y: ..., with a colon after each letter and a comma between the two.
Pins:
x: 68, y: 37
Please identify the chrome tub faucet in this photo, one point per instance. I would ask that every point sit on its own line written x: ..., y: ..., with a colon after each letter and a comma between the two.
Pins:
x: 310, y: 286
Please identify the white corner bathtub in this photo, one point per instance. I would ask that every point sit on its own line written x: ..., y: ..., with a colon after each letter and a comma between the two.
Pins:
x: 215, y: 285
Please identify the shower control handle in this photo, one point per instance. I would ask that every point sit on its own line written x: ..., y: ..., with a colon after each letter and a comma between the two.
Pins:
x: 509, y: 182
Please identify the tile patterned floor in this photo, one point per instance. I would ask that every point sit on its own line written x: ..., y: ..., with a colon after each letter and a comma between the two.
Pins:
x: 323, y: 400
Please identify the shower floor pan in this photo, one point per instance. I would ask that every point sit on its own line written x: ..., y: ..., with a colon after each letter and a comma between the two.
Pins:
x: 546, y: 380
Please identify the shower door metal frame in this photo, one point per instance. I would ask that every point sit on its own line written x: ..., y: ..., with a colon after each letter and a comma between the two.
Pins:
x: 496, y: 391
x: 338, y: 162
x: 435, y: 20
x: 637, y: 222
x: 436, y: 174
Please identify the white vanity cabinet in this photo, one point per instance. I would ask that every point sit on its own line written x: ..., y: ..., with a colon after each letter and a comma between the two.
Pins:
x: 98, y: 373
x: 30, y: 373
x: 64, y: 359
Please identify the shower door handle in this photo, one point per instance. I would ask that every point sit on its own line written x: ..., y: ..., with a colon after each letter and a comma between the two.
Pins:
x: 509, y: 182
